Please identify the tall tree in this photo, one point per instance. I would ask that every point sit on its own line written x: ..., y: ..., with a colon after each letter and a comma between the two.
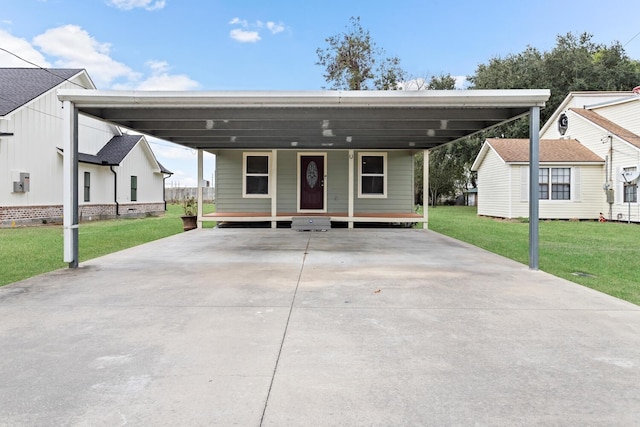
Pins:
x: 576, y: 63
x: 353, y: 61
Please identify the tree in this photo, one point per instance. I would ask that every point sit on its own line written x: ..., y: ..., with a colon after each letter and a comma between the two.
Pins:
x: 575, y: 64
x: 353, y: 61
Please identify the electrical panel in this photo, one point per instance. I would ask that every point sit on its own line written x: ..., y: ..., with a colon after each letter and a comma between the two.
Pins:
x: 23, y: 185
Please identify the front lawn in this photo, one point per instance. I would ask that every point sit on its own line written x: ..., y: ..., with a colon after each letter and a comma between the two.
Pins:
x: 602, y: 256
x: 29, y: 251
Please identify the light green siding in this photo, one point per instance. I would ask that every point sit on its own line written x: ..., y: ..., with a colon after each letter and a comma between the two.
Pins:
x: 399, y: 184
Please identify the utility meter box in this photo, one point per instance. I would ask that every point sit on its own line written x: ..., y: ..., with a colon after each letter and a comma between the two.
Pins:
x: 22, y: 186
x: 610, y: 196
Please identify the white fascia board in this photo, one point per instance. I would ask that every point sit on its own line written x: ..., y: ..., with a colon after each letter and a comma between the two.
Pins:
x: 430, y: 98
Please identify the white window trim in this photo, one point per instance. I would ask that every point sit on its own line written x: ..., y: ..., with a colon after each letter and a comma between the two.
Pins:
x: 384, y: 174
x: 572, y: 177
x: 269, y: 174
x: 623, y: 185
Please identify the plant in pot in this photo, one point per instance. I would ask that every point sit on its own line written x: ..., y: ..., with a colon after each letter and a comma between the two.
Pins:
x: 190, y: 217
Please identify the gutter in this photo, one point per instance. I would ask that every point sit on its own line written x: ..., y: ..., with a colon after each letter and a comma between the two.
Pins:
x: 115, y: 190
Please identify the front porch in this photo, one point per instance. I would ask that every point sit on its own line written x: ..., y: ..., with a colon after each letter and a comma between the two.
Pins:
x: 381, y: 217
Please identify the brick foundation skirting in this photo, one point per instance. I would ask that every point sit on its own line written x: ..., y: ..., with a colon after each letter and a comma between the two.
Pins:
x: 11, y: 216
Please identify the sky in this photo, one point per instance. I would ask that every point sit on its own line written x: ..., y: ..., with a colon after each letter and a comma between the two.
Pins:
x: 271, y: 45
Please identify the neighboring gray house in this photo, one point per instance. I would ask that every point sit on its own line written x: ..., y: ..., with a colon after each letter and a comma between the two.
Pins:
x: 118, y: 173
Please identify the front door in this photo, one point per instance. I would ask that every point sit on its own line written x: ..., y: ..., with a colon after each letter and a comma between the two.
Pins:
x: 312, y: 182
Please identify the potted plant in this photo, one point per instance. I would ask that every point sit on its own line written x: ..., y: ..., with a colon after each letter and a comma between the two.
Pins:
x: 190, y: 217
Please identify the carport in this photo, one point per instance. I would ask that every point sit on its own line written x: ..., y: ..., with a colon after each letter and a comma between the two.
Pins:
x: 327, y: 120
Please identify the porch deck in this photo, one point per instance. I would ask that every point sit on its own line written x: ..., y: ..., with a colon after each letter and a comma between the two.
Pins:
x: 393, y: 217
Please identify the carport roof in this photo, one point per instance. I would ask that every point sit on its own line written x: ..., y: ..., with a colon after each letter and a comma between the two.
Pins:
x: 307, y: 119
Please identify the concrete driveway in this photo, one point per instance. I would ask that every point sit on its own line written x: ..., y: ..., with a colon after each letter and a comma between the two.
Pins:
x: 356, y: 327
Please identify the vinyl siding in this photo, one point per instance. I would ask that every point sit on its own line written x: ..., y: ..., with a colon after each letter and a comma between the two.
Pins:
x: 150, y: 181
x: 33, y: 148
x: 585, y: 204
x: 625, y: 115
x: 495, y: 187
x: 399, y: 187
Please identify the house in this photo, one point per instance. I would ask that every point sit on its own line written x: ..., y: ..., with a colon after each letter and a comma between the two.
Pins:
x: 589, y: 163
x: 118, y: 173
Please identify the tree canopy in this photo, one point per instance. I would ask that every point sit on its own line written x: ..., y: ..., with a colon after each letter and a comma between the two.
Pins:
x: 576, y: 63
x: 353, y: 61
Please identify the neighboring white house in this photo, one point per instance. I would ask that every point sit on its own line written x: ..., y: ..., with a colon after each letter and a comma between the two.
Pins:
x: 589, y: 162
x: 118, y: 173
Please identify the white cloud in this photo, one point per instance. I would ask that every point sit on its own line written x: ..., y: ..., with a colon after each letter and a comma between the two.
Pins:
x: 243, y: 36
x: 238, y: 21
x: 461, y: 82
x: 160, y: 79
x: 132, y: 4
x: 250, y: 33
x: 75, y: 48
x: 22, y: 49
x: 275, y: 28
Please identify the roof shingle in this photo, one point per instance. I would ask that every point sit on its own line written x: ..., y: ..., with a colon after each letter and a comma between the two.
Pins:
x: 608, y: 125
x: 551, y: 150
x: 18, y: 86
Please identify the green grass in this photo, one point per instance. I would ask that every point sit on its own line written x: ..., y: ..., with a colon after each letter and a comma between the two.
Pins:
x: 604, y: 255
x: 29, y: 251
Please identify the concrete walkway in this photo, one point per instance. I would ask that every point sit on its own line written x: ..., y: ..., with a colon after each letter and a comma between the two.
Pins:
x: 341, y: 328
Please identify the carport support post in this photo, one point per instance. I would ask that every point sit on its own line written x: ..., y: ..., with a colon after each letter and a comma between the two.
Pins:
x: 534, y: 166
x: 425, y: 189
x: 351, y: 188
x: 70, y: 183
x: 274, y: 187
x: 200, y: 185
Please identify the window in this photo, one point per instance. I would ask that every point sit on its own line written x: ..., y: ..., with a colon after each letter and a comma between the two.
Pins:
x: 558, y: 185
x: 134, y: 188
x: 372, y: 174
x: 630, y: 189
x: 255, y: 174
x: 87, y: 186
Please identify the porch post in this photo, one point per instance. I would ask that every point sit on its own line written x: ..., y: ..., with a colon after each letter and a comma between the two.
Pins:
x: 351, y: 188
x: 200, y: 185
x: 274, y: 187
x: 70, y: 183
x: 425, y: 189
x: 534, y: 203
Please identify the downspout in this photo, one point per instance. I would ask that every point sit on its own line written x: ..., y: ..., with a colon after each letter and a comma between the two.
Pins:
x: 115, y: 190
x: 164, y: 190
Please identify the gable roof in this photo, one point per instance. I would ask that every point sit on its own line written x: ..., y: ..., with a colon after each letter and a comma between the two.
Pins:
x: 114, y: 152
x: 587, y: 99
x: 18, y: 86
x: 609, y: 126
x: 551, y: 151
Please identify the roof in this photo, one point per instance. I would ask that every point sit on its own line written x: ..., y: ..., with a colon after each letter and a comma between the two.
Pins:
x: 587, y: 99
x: 114, y: 152
x: 551, y: 151
x: 307, y: 119
x: 609, y: 126
x: 19, y: 86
